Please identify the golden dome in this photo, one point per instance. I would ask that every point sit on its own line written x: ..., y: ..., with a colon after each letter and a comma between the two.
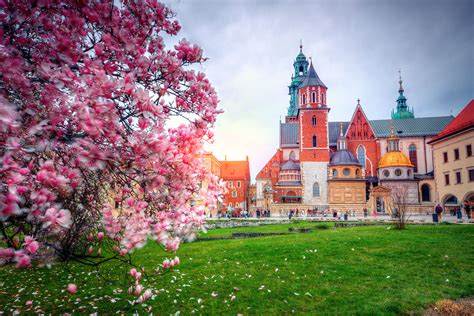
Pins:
x: 394, y: 159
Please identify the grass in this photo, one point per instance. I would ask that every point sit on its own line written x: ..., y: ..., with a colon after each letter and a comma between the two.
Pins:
x: 358, y: 270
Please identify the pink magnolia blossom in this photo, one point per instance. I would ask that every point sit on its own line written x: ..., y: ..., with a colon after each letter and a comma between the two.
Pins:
x: 72, y: 288
x: 87, y: 118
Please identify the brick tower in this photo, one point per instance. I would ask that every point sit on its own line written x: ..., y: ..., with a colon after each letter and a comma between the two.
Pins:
x: 314, y: 144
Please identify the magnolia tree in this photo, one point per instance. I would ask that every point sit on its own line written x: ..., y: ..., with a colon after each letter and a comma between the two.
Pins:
x: 100, y: 128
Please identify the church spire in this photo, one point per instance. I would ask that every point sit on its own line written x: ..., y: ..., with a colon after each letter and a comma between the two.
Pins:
x: 341, y: 140
x: 403, y: 111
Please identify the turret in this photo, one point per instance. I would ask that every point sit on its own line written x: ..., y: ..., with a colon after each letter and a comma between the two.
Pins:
x: 403, y: 111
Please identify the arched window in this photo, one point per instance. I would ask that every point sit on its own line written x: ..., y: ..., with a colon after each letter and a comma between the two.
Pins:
x: 313, y: 96
x: 425, y: 193
x: 292, y: 155
x: 412, y: 155
x: 323, y: 98
x: 304, y: 98
x: 301, y: 70
x: 361, y: 155
x: 316, y: 189
x: 334, y: 172
x: 314, y: 120
x: 314, y: 141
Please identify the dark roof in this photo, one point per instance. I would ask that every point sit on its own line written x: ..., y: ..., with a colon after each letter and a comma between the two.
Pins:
x: 343, y: 157
x: 289, y: 183
x: 421, y: 126
x: 288, y: 135
x: 312, y: 78
x: 333, y: 130
x: 463, y: 120
x: 291, y: 165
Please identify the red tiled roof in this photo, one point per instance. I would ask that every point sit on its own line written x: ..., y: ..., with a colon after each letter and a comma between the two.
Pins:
x: 235, y: 169
x: 463, y: 120
x: 265, y: 172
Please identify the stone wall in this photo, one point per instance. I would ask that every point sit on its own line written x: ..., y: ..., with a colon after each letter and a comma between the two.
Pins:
x: 312, y: 172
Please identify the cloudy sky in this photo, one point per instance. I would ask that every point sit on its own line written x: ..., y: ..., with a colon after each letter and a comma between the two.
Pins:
x: 357, y: 48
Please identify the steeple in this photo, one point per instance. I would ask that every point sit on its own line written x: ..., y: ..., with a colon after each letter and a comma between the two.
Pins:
x: 300, y: 67
x: 393, y: 140
x: 312, y: 78
x: 341, y: 140
x: 403, y: 111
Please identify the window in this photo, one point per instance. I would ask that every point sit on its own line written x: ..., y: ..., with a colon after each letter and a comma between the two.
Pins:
x: 445, y: 157
x: 456, y: 154
x: 346, y: 172
x: 314, y: 141
x: 238, y: 184
x: 304, y: 98
x: 301, y: 70
x: 458, y: 177
x: 386, y: 173
x: 357, y: 172
x: 234, y: 193
x: 229, y: 204
x: 323, y: 98
x: 230, y: 184
x: 292, y: 155
x: 468, y: 150
x: 412, y: 155
x: 314, y: 120
x: 409, y: 173
x: 471, y: 175
x: 361, y: 155
x: 334, y: 172
x: 398, y: 172
x: 313, y: 96
x: 316, y: 189
x: 446, y: 179
x: 425, y: 193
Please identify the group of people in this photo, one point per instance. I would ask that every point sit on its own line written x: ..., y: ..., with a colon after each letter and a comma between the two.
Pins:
x: 262, y: 213
x: 456, y: 211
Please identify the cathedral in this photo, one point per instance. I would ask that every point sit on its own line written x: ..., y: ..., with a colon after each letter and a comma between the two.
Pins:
x: 348, y: 165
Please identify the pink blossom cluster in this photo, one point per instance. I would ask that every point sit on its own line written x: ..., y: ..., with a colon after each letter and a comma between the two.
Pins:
x: 137, y: 289
x: 89, y: 90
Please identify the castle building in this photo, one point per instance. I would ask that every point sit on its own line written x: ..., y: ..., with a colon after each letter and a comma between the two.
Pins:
x: 454, y: 161
x: 236, y: 175
x: 322, y: 164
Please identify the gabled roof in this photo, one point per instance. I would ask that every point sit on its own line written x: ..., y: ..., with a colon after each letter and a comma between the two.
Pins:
x: 333, y: 131
x: 274, y: 162
x: 312, y: 78
x: 235, y: 169
x: 358, y: 108
x: 421, y: 126
x: 288, y: 135
x: 462, y: 121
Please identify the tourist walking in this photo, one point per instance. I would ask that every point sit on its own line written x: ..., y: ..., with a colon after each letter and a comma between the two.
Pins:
x: 439, y: 212
x: 467, y: 209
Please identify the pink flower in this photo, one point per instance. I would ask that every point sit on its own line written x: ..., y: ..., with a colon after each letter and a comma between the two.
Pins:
x: 23, y: 261
x: 176, y: 261
x: 133, y: 272
x: 32, y: 247
x: 72, y: 288
x: 166, y: 264
x: 138, y: 290
x: 28, y: 303
x: 100, y: 236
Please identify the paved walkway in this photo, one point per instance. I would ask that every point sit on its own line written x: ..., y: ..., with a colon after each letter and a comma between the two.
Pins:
x: 417, y: 218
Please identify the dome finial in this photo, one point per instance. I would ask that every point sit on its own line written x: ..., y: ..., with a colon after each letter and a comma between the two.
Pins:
x: 358, y: 101
x: 301, y: 46
x: 340, y: 129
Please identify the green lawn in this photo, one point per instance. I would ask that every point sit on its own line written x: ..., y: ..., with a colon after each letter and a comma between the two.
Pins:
x: 359, y: 270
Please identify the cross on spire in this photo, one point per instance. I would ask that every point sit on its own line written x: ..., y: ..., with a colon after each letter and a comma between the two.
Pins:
x: 400, y: 81
x: 301, y: 46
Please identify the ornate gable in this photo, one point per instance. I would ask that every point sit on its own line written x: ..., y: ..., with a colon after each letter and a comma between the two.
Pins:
x: 359, y: 127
